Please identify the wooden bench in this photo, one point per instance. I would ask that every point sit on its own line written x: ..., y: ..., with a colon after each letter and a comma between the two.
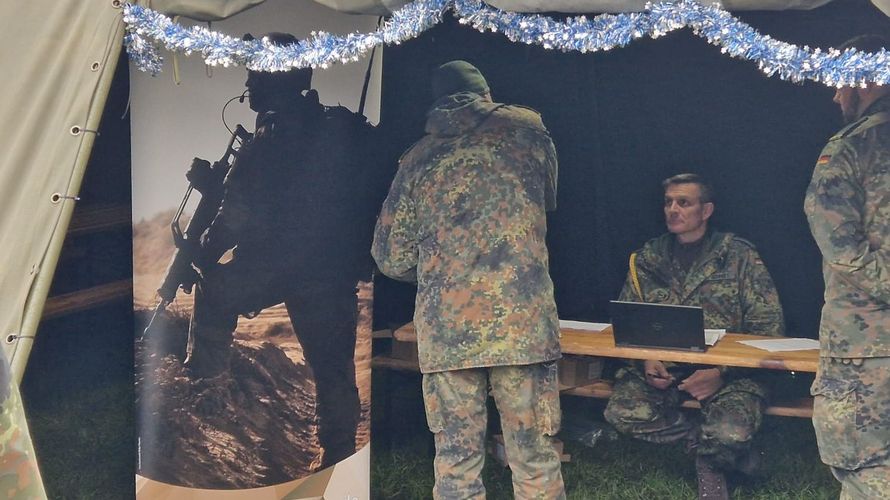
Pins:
x: 87, y: 298
x: 727, y: 352
x: 602, y: 389
x: 390, y: 363
x: 89, y: 220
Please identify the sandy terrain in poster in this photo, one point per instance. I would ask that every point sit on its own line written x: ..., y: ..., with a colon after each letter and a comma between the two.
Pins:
x: 255, y: 426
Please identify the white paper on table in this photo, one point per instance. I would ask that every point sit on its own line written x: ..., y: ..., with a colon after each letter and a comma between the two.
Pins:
x: 712, y: 335
x: 583, y: 325
x: 779, y: 345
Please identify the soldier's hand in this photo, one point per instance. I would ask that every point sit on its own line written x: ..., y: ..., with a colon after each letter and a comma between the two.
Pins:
x: 702, y: 384
x: 657, y: 374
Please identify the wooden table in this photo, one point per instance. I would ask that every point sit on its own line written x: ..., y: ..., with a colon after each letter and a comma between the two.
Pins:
x: 727, y: 352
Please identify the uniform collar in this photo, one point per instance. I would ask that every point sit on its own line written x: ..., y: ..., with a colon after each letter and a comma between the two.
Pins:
x: 882, y: 104
x: 455, y: 114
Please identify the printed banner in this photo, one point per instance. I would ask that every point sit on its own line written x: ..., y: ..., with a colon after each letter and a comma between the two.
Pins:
x: 254, y: 198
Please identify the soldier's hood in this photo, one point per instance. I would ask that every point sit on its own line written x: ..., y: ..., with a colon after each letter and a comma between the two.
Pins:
x: 457, y: 114
x: 881, y: 104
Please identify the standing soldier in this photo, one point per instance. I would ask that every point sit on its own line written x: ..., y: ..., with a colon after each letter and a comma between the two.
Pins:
x: 298, y: 209
x: 723, y: 274
x: 848, y: 207
x: 465, y: 219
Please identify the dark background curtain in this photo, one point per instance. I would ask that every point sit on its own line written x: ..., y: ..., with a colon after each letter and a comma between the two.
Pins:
x: 625, y: 119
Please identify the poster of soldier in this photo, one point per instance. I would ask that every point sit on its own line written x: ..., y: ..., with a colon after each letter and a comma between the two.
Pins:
x: 252, y: 213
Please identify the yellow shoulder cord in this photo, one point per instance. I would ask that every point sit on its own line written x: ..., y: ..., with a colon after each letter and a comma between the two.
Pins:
x: 633, y: 275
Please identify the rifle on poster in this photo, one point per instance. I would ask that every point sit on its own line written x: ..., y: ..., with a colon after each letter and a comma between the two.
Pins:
x: 207, y: 179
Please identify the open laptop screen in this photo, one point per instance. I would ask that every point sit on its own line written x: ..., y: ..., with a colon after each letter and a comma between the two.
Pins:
x: 662, y: 326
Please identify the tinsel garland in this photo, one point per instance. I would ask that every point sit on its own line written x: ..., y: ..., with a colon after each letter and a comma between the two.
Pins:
x: 147, y: 30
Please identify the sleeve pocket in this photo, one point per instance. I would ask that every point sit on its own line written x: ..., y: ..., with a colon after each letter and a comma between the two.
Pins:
x: 548, y: 414
x: 836, y: 416
x: 432, y: 405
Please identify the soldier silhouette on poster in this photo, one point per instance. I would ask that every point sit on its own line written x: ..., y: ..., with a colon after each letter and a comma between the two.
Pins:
x: 282, y: 231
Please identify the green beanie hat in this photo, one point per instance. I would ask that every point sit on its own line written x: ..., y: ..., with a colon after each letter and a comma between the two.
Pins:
x: 457, y: 76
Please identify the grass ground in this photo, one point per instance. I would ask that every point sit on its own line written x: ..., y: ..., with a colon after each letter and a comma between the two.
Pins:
x: 619, y: 469
x: 78, y: 395
x: 626, y: 469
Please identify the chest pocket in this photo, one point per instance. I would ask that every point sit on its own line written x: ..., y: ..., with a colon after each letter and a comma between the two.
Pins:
x: 720, y: 276
x: 720, y: 285
x: 719, y: 296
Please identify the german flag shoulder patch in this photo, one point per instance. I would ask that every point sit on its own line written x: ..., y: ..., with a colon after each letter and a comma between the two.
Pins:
x: 823, y: 160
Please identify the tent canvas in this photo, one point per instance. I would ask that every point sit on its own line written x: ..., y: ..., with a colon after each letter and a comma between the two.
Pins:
x: 63, y: 58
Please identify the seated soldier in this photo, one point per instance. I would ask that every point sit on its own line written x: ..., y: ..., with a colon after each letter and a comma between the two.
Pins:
x: 723, y: 274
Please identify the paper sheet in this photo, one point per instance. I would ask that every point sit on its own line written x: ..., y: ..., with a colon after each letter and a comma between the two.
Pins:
x: 779, y: 345
x: 583, y: 325
x: 712, y: 335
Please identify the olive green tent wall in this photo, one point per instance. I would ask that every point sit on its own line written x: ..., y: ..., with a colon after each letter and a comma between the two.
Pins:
x: 58, y: 60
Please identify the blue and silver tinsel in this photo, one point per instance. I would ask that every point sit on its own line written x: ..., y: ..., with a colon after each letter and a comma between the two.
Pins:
x: 147, y: 30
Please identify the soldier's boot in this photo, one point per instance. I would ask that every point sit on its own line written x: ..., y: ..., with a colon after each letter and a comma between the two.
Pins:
x: 333, y: 453
x: 208, y: 357
x: 711, y: 482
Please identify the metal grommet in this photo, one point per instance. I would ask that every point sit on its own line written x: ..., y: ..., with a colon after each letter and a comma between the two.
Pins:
x: 75, y: 130
x: 95, y: 66
x: 57, y: 197
x: 116, y: 4
x: 11, y: 338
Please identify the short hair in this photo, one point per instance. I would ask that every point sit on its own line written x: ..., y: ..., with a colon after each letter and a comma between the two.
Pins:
x: 867, y: 43
x: 707, y: 191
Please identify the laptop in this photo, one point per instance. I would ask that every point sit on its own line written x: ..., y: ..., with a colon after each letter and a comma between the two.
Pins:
x: 660, y: 326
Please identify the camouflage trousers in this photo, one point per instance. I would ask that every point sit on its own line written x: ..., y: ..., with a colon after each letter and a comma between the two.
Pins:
x: 851, y: 416
x: 729, y: 419
x: 324, y: 318
x: 19, y: 475
x: 527, y: 398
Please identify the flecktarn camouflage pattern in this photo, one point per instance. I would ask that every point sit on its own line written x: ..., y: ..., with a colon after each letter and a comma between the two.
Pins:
x: 19, y: 475
x: 848, y: 207
x: 527, y: 398
x: 729, y: 419
x: 729, y: 282
x: 465, y: 217
x: 851, y: 415
x: 733, y: 287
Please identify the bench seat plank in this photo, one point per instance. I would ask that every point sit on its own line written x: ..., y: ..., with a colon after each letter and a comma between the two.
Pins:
x: 602, y: 389
x: 81, y: 300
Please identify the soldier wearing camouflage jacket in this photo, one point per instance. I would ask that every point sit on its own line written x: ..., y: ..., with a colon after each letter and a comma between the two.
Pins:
x: 729, y: 282
x: 848, y: 207
x: 465, y: 219
x: 724, y: 275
